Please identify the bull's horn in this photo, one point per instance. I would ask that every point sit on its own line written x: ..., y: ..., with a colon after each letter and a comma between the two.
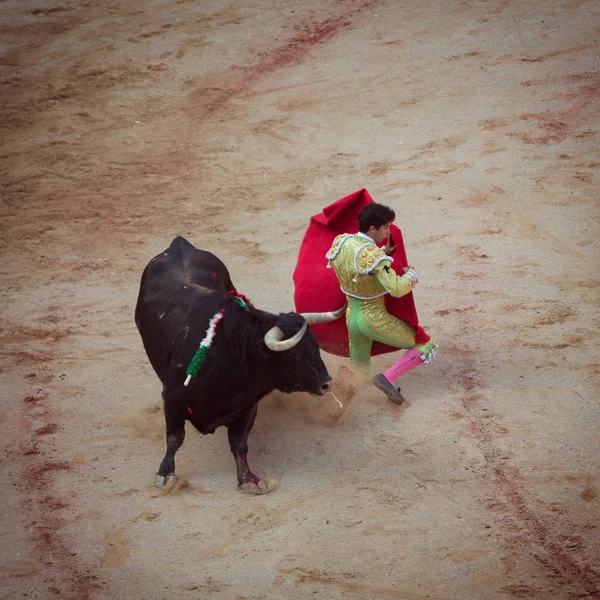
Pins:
x: 326, y: 317
x: 274, y: 341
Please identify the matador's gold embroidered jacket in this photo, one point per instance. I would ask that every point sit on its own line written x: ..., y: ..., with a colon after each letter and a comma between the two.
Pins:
x: 364, y: 270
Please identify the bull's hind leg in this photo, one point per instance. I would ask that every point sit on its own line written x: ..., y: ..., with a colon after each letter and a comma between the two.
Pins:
x: 238, y: 441
x: 175, y: 412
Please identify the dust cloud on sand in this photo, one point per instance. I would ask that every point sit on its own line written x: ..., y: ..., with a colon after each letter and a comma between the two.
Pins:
x: 325, y: 411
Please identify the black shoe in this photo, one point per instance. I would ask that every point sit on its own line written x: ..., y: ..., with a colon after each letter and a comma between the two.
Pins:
x: 381, y: 383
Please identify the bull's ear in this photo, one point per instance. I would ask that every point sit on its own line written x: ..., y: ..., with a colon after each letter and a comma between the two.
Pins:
x: 261, y: 349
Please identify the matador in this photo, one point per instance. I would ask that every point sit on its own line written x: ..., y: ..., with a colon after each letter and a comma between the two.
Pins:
x: 366, y: 275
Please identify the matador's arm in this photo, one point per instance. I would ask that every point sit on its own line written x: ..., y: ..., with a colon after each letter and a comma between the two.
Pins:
x: 396, y: 285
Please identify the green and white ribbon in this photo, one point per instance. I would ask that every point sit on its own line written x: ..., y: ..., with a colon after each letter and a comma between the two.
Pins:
x: 205, y: 344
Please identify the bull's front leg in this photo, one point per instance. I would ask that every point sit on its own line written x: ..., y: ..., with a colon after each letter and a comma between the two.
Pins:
x: 238, y: 441
x: 175, y: 411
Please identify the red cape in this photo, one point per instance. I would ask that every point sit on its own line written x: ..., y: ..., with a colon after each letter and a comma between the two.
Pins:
x: 317, y: 288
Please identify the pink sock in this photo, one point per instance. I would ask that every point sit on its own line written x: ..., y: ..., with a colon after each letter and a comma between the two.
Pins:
x: 410, y: 359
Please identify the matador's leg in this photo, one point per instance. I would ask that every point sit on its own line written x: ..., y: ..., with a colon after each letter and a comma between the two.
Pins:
x: 412, y: 358
x: 395, y: 332
x: 360, y: 345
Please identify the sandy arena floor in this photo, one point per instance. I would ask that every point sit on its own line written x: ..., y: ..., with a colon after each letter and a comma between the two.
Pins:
x: 126, y: 123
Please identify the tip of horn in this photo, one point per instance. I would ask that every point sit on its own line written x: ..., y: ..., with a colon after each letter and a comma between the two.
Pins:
x: 325, y: 317
x: 340, y: 311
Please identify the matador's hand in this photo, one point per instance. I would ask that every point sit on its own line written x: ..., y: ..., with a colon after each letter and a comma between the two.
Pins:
x: 390, y: 247
x: 411, y: 275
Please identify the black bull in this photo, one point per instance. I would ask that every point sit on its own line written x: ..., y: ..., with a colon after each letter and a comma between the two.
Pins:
x: 252, y: 352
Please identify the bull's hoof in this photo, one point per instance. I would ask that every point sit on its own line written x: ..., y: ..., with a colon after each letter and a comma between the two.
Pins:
x: 381, y: 383
x: 162, y: 482
x: 254, y: 487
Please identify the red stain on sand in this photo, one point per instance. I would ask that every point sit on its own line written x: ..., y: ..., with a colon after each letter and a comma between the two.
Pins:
x: 290, y: 53
x: 508, y: 481
x: 37, y: 477
x: 297, y: 48
x: 447, y: 311
x: 66, y: 576
x: 35, y: 400
x: 582, y: 95
x: 45, y: 536
x: 47, y: 429
x: 578, y: 573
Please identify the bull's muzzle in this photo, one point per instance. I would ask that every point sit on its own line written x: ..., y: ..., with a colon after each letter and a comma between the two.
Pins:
x: 324, y: 389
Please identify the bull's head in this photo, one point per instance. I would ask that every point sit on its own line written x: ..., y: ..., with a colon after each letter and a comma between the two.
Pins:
x: 302, y: 368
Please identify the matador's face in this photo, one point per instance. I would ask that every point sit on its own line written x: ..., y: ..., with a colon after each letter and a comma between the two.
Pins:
x: 378, y: 235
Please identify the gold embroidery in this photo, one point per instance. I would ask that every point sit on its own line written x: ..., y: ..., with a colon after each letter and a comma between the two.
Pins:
x: 369, y: 257
x: 346, y: 248
x: 337, y: 243
x: 369, y: 282
x: 377, y: 318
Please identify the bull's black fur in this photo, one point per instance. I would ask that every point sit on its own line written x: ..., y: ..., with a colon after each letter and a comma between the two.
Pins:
x: 181, y: 289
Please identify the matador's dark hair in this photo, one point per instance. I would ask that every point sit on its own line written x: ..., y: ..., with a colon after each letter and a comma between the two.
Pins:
x: 375, y: 214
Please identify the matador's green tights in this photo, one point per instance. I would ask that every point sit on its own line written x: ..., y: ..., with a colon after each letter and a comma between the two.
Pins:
x: 362, y: 336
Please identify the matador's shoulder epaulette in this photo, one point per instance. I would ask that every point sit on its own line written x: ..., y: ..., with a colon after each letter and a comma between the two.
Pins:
x: 368, y: 257
x: 338, y: 242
